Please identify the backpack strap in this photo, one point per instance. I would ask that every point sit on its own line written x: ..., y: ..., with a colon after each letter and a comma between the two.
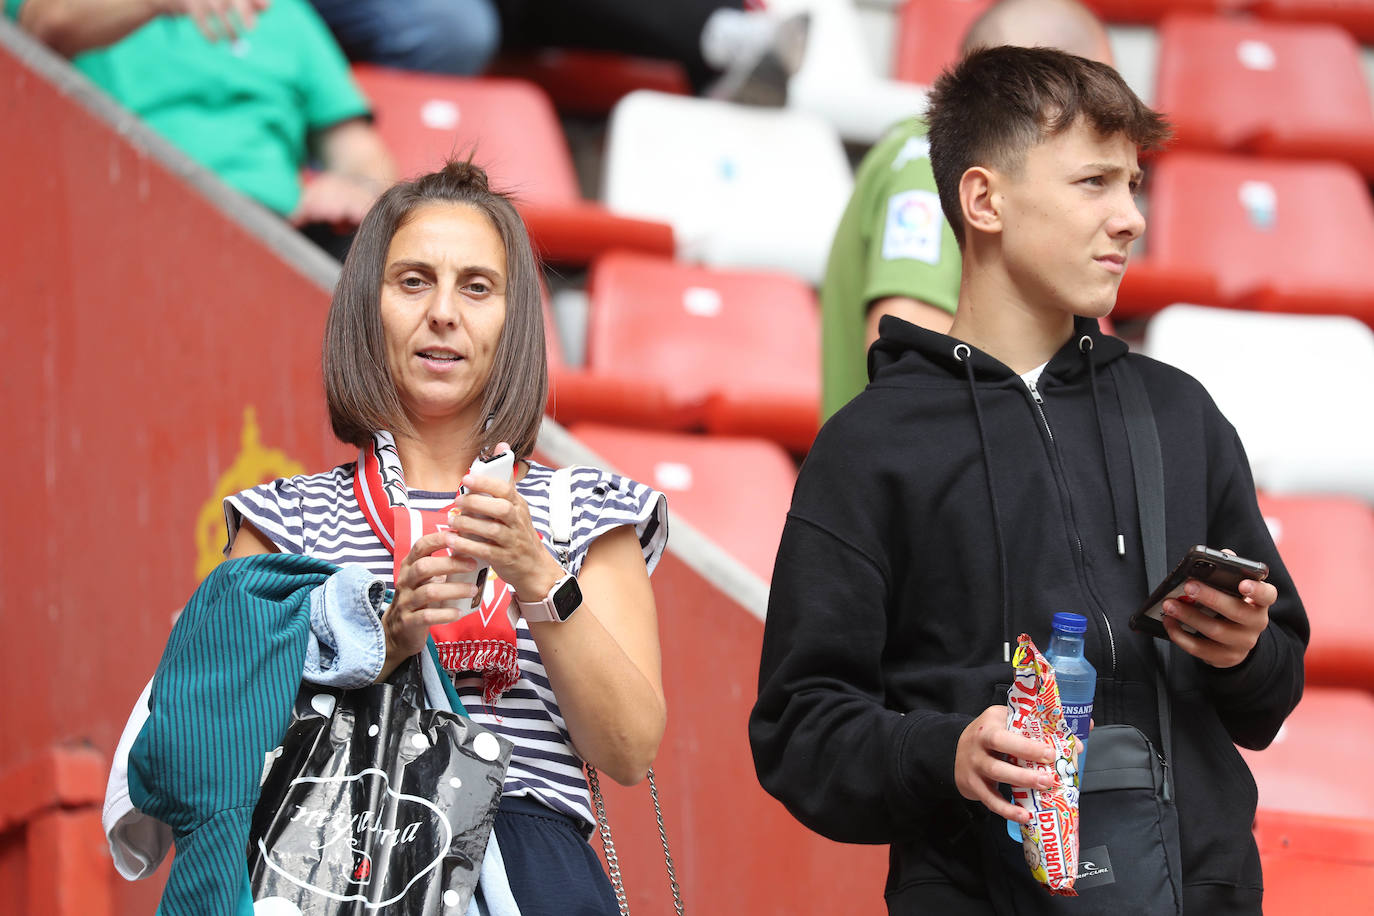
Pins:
x: 1147, y: 461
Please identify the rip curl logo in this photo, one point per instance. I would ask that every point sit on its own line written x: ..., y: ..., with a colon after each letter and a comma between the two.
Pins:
x: 1091, y: 868
x: 1094, y: 868
x: 346, y: 841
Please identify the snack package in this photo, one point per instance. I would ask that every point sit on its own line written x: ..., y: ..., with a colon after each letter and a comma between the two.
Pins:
x: 1050, y: 840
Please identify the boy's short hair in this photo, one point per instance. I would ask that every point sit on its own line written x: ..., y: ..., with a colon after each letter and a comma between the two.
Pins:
x: 359, y: 390
x: 997, y: 103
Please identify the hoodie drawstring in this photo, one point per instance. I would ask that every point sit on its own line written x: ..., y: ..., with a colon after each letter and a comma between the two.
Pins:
x: 1085, y: 346
x: 966, y: 359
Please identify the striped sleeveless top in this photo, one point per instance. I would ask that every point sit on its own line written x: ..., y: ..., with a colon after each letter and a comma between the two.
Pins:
x: 318, y: 516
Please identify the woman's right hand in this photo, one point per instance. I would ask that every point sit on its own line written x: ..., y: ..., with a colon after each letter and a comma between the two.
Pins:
x: 421, y: 588
x: 980, y: 763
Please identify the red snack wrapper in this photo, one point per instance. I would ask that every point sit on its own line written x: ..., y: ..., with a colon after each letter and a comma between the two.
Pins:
x: 1050, y: 840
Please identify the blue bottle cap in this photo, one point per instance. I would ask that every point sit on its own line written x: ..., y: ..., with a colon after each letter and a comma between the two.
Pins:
x: 1070, y: 623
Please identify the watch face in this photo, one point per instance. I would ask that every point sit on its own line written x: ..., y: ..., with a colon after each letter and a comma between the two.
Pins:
x: 567, y: 598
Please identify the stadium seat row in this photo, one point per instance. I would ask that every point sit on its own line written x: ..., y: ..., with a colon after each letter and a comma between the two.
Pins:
x: 929, y: 32
x: 1284, y: 89
x: 716, y: 183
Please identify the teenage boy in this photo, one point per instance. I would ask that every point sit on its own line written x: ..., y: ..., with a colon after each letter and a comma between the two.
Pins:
x: 982, y: 482
x: 893, y: 253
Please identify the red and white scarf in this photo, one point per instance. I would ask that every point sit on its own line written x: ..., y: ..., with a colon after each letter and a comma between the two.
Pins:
x: 481, y: 642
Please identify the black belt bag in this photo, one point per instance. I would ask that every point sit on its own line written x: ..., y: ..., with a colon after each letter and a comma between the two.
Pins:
x: 1128, y: 850
x: 1128, y: 825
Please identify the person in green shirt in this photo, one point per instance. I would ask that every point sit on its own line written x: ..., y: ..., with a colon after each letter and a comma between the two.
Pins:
x: 893, y: 252
x: 251, y: 89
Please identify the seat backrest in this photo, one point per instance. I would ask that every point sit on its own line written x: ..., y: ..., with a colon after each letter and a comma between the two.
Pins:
x: 1245, y: 84
x: 508, y: 126
x: 929, y: 34
x: 1298, y: 389
x: 1327, y: 544
x: 734, y: 490
x: 698, y: 330
x: 744, y: 187
x: 1152, y: 11
x: 1322, y: 750
x: 1276, y: 233
x: 1314, y: 863
x: 1355, y: 16
x: 586, y: 82
x: 834, y: 39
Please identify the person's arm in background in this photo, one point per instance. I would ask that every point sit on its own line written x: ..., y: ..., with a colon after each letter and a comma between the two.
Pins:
x: 356, y: 165
x: 72, y: 26
x: 357, y: 168
x: 921, y: 314
x: 892, y: 253
x: 913, y: 261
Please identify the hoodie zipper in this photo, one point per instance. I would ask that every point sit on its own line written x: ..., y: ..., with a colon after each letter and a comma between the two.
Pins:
x: 1039, y: 402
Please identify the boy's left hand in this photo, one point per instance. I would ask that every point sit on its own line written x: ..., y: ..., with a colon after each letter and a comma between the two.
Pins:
x: 1224, y: 641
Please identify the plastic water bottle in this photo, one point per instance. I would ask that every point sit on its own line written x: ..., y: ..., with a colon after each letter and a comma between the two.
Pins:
x: 1077, y: 680
x: 1075, y: 675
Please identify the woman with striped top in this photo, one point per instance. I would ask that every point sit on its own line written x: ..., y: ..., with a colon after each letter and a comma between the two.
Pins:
x: 434, y: 357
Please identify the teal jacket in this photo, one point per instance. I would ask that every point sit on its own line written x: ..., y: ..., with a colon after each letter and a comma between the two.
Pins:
x: 221, y: 699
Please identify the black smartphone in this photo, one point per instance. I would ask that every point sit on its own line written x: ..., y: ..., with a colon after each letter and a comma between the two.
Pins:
x: 1210, y: 567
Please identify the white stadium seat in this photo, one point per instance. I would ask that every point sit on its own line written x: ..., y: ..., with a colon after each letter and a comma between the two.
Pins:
x: 1298, y: 388
x: 741, y: 186
x: 837, y: 79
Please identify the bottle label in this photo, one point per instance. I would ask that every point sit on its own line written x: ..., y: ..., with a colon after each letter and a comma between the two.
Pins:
x: 1077, y: 716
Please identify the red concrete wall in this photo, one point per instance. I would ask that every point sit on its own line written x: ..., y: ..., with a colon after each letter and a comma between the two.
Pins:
x: 140, y: 325
x: 735, y: 849
x: 155, y: 355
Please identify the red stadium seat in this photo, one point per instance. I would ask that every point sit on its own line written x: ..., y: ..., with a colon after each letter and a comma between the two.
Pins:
x: 1149, y: 286
x: 1327, y: 544
x: 734, y: 490
x: 1152, y: 11
x: 1265, y: 88
x: 929, y: 34
x: 578, y: 395
x: 1319, y: 763
x: 510, y: 128
x: 590, y: 82
x: 1355, y: 16
x: 1275, y: 235
x: 738, y: 349
x: 1315, y: 864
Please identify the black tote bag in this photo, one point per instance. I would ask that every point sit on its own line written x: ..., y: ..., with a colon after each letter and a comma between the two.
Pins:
x: 375, y: 804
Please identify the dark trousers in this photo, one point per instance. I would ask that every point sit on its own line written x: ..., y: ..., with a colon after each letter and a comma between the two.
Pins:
x: 552, y: 869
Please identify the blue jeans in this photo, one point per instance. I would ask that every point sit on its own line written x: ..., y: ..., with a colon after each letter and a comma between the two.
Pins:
x: 346, y: 646
x: 438, y: 36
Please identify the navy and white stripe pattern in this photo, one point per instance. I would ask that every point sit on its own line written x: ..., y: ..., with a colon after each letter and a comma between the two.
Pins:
x: 316, y: 515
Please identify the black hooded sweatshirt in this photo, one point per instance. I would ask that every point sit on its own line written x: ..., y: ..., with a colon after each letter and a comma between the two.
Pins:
x: 949, y: 508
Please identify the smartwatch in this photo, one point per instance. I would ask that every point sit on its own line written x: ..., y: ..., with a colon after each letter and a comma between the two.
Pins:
x: 564, y: 598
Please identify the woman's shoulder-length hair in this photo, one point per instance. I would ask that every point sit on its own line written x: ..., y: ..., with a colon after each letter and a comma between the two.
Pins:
x: 359, y: 390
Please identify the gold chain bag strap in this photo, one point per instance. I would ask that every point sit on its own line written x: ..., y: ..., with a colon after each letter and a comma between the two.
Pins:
x: 560, y: 528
